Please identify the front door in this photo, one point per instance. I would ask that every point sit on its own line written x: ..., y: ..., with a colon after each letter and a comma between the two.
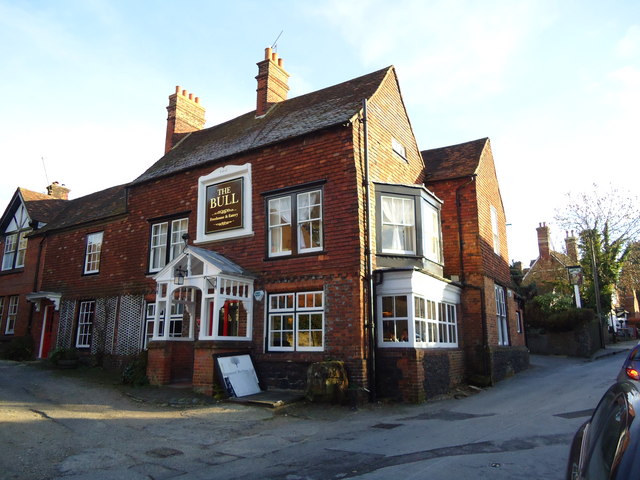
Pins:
x: 47, y: 329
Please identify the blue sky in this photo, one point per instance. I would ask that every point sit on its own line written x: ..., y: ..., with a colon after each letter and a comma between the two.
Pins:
x: 554, y: 85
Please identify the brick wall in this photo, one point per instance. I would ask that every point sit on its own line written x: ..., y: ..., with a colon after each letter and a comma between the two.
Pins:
x: 416, y: 375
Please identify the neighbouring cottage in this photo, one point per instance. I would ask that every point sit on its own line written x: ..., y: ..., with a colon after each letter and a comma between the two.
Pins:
x: 475, y: 254
x: 20, y: 274
x: 305, y: 231
x: 549, y: 270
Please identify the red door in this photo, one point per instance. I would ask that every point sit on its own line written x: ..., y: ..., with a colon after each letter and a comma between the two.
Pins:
x: 47, y: 329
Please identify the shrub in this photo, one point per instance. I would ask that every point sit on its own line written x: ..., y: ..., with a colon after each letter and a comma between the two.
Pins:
x: 135, y: 372
x: 19, y: 348
x: 560, y: 320
x: 62, y: 353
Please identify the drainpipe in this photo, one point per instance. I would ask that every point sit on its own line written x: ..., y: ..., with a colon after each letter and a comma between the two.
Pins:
x: 483, y: 310
x: 370, y: 320
x: 36, y: 281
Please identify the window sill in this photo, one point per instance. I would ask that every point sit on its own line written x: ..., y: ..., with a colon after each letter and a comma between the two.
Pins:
x: 315, y: 253
x: 12, y: 271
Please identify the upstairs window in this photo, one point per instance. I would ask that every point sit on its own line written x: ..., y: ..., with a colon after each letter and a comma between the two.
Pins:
x: 15, y: 250
x: 15, y: 243
x: 166, y: 242
x: 398, y: 225
x: 302, y: 210
x: 495, y: 231
x: 92, y: 255
x: 432, y: 246
x: 398, y: 147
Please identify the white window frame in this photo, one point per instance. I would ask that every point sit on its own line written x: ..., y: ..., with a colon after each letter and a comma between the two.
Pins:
x: 399, y: 148
x: 166, y: 242
x: 495, y: 231
x: 431, y: 233
x: 279, y: 225
x: 305, y: 215
x: 430, y: 323
x: 395, y: 318
x: 221, y: 175
x: 86, y: 318
x: 296, y: 309
x: 403, y: 230
x: 10, y: 247
x: 501, y: 315
x: 93, y: 252
x: 309, y: 215
x: 12, y: 315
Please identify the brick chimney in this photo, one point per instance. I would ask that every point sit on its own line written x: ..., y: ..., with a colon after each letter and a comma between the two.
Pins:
x: 185, y: 114
x: 57, y: 191
x: 272, y: 82
x: 572, y: 247
x: 543, y: 240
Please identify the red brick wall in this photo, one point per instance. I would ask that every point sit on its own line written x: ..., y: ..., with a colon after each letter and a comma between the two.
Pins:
x: 20, y: 282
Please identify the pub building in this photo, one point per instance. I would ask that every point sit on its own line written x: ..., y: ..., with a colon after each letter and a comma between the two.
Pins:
x: 298, y: 233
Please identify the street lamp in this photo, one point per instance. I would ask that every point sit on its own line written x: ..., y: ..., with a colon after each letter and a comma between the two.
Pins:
x: 178, y: 278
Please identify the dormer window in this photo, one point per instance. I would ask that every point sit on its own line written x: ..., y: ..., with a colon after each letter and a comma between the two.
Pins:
x: 15, y: 241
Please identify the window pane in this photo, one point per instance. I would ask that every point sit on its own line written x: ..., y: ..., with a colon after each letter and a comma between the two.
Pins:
x: 92, y: 258
x: 398, y: 225
x: 178, y: 228
x: 309, y: 221
x: 280, y: 226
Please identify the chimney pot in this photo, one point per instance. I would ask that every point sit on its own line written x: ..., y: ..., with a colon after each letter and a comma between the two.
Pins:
x: 184, y: 116
x: 272, y: 82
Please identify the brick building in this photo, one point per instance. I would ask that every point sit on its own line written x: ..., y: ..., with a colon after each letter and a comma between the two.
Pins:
x: 475, y: 254
x: 20, y: 273
x: 548, y: 272
x: 297, y: 233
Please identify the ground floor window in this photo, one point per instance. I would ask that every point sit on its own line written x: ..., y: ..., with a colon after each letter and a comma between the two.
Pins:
x: 12, y: 315
x: 412, y: 320
x: 296, y: 321
x: 501, y: 314
x: 86, y: 316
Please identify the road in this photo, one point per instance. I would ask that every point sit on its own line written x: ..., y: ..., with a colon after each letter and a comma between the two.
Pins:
x: 59, y: 427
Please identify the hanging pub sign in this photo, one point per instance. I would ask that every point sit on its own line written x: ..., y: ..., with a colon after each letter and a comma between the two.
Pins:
x: 224, y: 206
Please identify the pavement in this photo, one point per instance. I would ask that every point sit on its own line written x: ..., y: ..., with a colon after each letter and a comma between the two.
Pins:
x: 615, y: 349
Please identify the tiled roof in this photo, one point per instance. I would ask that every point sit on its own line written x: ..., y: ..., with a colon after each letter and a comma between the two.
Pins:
x: 453, y: 161
x: 291, y: 118
x: 40, y: 206
x: 95, y: 206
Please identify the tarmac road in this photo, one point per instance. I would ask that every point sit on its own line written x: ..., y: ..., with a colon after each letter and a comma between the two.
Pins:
x: 57, y: 425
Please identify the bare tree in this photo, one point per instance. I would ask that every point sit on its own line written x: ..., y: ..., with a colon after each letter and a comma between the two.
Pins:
x: 608, y: 223
x: 611, y: 210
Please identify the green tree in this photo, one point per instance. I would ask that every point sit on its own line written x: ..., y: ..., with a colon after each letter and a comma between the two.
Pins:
x: 608, y: 223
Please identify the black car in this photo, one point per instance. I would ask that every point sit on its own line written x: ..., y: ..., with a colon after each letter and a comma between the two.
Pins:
x: 630, y: 370
x: 608, y: 445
